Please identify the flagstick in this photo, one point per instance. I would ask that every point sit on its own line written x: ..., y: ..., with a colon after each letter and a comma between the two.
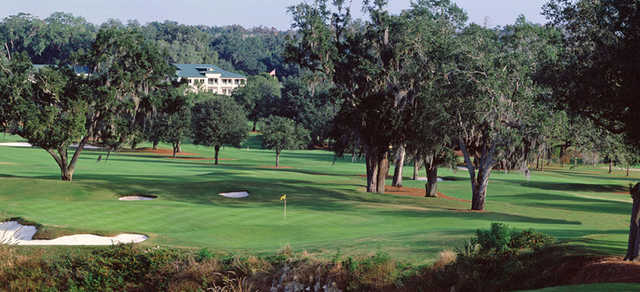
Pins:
x: 285, y: 208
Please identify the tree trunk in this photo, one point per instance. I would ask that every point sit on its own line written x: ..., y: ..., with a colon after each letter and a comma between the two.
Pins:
x: 217, y: 149
x: 254, y: 126
x: 155, y: 145
x: 175, y: 149
x: 562, y: 150
x: 479, y: 182
x: 633, y: 250
x: 66, y: 174
x: 399, y: 164
x: 382, y: 173
x: 372, y: 165
x: 377, y: 170
x: 628, y: 167
x: 179, y: 148
x: 416, y: 168
x: 277, y: 158
x: 60, y: 155
x: 610, y: 166
x: 480, y: 188
x: 432, y: 177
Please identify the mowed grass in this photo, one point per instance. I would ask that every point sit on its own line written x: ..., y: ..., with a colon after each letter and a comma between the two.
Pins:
x: 327, y: 210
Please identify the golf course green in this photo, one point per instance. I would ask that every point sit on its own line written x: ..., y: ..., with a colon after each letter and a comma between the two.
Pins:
x: 328, y: 211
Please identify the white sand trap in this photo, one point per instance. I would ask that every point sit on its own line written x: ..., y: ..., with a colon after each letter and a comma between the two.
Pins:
x: 25, y: 144
x: 425, y: 179
x: 137, y: 198
x: 16, y: 144
x: 13, y: 232
x: 235, y: 195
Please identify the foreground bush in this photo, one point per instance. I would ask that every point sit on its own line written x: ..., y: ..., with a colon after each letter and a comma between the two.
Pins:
x: 498, y: 259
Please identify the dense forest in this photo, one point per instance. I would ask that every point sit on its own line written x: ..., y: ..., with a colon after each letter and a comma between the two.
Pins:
x: 58, y: 38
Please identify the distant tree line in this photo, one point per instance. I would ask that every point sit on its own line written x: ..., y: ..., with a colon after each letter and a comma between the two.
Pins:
x: 58, y: 38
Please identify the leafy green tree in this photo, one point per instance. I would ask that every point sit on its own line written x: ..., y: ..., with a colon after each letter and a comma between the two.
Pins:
x: 47, y: 108
x: 257, y: 96
x: 125, y: 71
x: 281, y: 133
x: 435, y: 49
x: 174, y: 122
x: 496, y: 98
x: 218, y: 121
x: 53, y: 107
x: 363, y: 61
x: 313, y: 108
x: 597, y: 75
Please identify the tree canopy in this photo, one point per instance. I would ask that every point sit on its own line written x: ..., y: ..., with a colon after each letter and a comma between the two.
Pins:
x: 218, y: 121
x: 280, y: 133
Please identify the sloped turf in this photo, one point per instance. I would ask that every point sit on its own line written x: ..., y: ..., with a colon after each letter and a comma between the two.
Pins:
x: 328, y: 212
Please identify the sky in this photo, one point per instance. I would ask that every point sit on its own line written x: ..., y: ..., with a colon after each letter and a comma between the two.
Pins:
x: 248, y: 13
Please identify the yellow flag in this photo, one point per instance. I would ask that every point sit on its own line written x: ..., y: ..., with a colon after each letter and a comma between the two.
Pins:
x: 283, y: 197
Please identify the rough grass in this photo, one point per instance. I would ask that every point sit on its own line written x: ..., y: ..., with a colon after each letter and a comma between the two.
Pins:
x: 326, y: 209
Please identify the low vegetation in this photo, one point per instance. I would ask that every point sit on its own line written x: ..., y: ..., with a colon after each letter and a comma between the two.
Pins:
x: 500, y: 259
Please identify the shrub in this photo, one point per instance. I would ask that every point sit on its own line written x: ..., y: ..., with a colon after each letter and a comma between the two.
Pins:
x: 204, y: 254
x: 445, y: 257
x: 494, y: 240
x: 371, y: 273
x: 530, y: 239
x: 503, y: 239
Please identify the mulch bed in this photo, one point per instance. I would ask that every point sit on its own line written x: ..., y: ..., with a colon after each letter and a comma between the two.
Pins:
x: 588, y: 269
x: 417, y: 192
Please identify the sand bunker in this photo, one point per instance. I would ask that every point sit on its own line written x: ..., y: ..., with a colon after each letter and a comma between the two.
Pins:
x: 425, y: 179
x: 235, y: 195
x: 13, y: 232
x: 16, y: 144
x: 138, y: 198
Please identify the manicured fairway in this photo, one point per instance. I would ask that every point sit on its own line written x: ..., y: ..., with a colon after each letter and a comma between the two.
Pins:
x: 328, y: 212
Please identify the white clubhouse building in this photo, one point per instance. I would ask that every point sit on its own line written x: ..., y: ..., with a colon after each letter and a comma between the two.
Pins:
x: 209, y: 78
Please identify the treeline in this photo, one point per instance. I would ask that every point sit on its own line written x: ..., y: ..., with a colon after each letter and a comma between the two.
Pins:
x: 58, y: 38
x: 424, y: 83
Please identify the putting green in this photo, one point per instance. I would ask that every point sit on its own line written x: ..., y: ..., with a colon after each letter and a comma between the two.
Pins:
x: 327, y: 210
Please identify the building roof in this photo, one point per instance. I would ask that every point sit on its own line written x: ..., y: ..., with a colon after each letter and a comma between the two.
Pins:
x: 199, y: 70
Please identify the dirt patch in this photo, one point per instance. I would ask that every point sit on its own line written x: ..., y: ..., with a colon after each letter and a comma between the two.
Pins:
x: 273, y: 167
x: 6, y: 163
x: 416, y: 192
x: 365, y: 176
x: 466, y: 210
x: 160, y: 151
x: 617, y: 193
